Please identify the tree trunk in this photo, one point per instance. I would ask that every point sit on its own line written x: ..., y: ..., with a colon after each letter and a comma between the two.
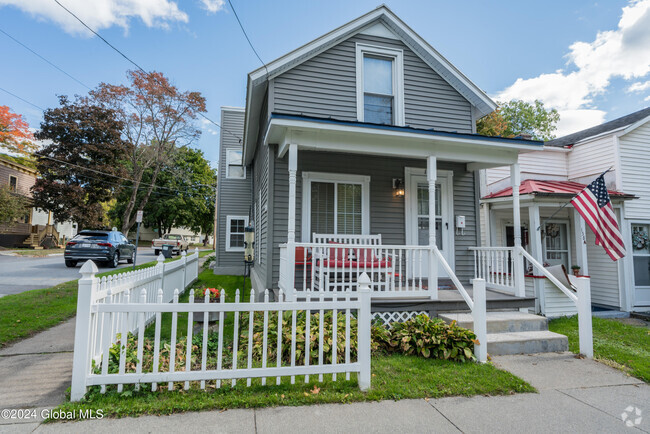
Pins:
x: 126, y: 217
x: 131, y: 218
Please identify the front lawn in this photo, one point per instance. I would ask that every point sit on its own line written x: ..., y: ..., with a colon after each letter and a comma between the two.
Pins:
x: 24, y: 314
x: 393, y: 377
x: 624, y: 346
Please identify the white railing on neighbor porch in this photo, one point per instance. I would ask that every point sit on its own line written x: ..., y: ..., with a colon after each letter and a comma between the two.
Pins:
x: 124, y: 288
x: 395, y: 271
x: 496, y: 265
x: 581, y: 298
x: 276, y: 361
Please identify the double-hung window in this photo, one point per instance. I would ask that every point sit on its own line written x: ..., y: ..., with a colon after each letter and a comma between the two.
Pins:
x: 234, y: 166
x: 338, y: 204
x: 556, y: 244
x: 380, y: 85
x: 235, y: 233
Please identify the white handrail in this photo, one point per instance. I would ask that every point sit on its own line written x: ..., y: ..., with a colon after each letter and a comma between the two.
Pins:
x: 549, y: 276
x: 454, y: 279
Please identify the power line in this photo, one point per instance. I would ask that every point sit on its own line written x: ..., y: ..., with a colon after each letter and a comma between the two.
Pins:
x: 247, y: 38
x: 42, y: 58
x: 123, y: 178
x: 23, y: 100
x: 138, y: 66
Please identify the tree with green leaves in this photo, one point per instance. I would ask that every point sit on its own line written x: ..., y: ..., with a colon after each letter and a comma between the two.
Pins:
x: 183, y: 197
x: 12, y: 206
x: 516, y: 117
x: 80, y: 168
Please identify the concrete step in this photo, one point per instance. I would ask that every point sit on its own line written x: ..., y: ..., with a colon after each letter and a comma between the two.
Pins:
x: 500, y: 344
x: 501, y: 322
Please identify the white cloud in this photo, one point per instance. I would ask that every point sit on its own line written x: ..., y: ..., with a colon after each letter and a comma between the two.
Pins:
x: 576, y: 120
x: 639, y: 86
x: 213, y: 5
x: 624, y: 53
x: 101, y: 14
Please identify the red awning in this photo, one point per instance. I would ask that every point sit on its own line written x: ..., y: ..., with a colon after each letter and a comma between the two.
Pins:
x: 559, y: 188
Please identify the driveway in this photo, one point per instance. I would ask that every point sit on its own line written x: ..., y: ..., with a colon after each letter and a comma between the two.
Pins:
x: 19, y: 274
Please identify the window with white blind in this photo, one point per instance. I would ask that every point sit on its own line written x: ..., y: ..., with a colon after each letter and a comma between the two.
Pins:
x: 336, y: 204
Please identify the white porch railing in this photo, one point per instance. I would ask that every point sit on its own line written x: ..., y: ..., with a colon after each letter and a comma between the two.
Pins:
x: 395, y: 271
x: 496, y: 265
x: 115, y: 289
x: 138, y: 306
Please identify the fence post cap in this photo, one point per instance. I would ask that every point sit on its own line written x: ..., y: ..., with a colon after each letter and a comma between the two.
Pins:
x: 183, y: 253
x: 88, y: 269
x: 196, y: 250
x: 160, y: 258
x: 364, y: 283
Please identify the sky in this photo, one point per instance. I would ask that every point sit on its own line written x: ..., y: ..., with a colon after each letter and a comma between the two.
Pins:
x: 590, y: 60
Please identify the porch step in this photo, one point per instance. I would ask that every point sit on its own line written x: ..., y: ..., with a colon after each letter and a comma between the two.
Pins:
x: 501, y: 322
x: 500, y: 344
x: 514, y: 332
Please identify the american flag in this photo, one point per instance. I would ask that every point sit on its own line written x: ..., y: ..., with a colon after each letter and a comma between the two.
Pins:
x: 594, y: 206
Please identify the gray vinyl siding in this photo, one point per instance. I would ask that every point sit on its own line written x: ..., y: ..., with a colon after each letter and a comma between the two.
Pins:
x: 234, y: 195
x: 261, y: 198
x: 325, y: 86
x: 386, y: 211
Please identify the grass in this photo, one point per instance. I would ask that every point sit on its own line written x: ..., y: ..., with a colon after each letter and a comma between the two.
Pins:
x: 35, y: 252
x: 624, y: 346
x: 22, y: 315
x: 25, y: 314
x: 393, y: 377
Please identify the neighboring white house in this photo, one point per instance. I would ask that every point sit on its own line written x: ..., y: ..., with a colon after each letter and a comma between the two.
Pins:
x: 148, y: 234
x: 549, y: 180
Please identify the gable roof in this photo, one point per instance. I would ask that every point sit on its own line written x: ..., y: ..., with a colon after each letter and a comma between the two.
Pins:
x: 615, y: 124
x: 258, y: 79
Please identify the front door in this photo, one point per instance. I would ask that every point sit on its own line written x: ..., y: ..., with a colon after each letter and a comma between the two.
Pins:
x: 641, y: 259
x: 417, y: 215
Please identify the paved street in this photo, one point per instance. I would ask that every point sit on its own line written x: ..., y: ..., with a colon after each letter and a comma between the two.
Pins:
x: 18, y: 274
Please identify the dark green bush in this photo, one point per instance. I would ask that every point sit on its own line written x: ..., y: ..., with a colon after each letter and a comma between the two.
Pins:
x: 428, y: 337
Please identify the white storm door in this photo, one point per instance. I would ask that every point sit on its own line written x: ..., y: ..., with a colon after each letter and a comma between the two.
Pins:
x: 417, y: 215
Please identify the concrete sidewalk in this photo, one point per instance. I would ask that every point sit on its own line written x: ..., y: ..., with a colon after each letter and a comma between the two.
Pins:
x: 575, y: 395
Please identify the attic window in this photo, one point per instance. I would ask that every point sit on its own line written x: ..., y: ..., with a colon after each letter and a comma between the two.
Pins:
x: 380, y: 87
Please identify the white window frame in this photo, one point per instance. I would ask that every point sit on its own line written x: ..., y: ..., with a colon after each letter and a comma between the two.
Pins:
x: 309, y: 177
x: 568, y: 241
x: 13, y: 189
x: 228, y: 233
x: 398, y: 79
x: 228, y: 164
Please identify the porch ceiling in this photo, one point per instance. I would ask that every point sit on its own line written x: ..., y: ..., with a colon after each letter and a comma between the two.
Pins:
x: 357, y: 137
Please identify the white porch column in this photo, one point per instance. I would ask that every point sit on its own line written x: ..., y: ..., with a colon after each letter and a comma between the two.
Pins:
x: 515, y: 180
x: 291, y: 226
x: 535, y: 237
x: 580, y: 242
x: 432, y: 169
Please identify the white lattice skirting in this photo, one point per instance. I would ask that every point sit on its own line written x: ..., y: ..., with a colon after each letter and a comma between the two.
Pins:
x: 388, y: 318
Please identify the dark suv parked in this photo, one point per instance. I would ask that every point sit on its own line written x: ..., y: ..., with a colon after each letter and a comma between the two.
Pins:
x: 101, y: 246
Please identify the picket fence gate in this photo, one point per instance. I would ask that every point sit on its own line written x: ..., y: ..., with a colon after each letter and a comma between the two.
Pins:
x: 130, y: 312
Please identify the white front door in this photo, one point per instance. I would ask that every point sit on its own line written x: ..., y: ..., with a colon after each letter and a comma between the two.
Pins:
x: 417, y: 215
x: 641, y: 259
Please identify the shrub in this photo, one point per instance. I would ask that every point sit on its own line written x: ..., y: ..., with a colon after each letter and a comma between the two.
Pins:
x: 428, y: 337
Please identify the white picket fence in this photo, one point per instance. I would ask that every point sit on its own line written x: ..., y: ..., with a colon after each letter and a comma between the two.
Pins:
x: 111, y: 317
x: 115, y: 289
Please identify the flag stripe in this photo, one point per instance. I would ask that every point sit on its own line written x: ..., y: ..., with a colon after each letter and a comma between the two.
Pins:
x: 594, y: 205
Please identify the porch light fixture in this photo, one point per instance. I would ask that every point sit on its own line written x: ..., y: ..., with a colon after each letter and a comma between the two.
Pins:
x: 398, y: 187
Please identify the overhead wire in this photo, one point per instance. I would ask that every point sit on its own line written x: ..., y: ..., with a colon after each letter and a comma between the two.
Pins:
x: 43, y: 58
x: 136, y: 65
x: 241, y: 26
x: 22, y: 99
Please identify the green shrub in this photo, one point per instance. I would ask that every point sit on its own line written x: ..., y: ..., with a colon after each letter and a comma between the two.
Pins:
x: 428, y: 337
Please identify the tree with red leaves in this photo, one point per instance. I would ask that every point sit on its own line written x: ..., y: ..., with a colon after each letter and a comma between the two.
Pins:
x: 158, y: 118
x: 15, y: 136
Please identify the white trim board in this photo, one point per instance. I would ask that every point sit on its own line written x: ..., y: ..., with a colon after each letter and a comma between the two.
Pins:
x: 229, y: 218
x: 308, y: 177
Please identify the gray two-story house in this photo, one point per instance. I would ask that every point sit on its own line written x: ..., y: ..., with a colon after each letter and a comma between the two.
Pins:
x: 359, y: 153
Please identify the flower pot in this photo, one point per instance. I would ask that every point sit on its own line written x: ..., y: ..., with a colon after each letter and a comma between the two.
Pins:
x: 576, y: 272
x: 212, y: 316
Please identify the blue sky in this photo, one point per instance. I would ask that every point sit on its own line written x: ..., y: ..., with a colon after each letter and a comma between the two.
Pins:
x: 591, y: 60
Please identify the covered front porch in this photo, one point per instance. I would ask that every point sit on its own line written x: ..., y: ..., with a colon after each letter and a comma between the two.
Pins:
x: 398, y: 204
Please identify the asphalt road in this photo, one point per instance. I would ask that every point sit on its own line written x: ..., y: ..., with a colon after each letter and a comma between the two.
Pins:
x: 18, y: 274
